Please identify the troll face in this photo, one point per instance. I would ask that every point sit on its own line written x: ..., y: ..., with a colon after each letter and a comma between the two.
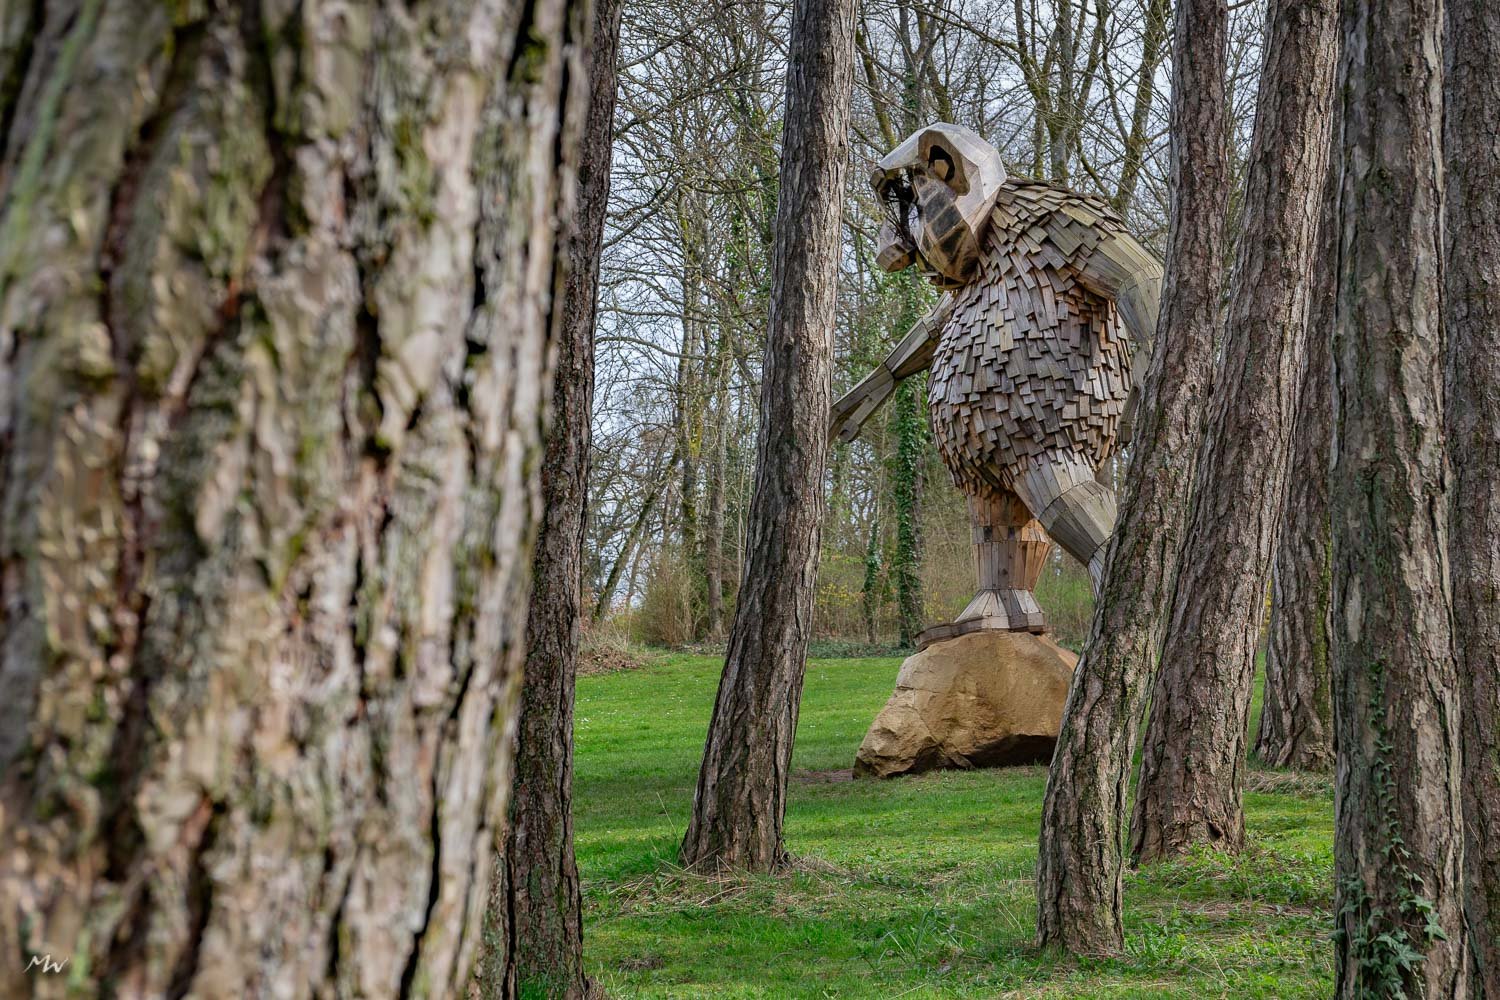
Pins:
x: 938, y: 188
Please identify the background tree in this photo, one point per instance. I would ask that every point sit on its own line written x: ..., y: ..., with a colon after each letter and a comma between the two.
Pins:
x: 1079, y: 870
x: 909, y: 467
x: 1192, y: 767
x: 1472, y: 314
x: 1398, y: 844
x: 740, y: 802
x: 1296, y: 719
x: 909, y: 479
x: 275, y: 313
x: 533, y: 940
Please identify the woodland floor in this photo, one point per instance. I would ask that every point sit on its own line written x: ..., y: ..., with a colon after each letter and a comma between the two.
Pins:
x: 917, y: 887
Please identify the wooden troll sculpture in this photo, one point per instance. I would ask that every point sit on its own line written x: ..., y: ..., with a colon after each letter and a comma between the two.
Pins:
x: 1046, y: 319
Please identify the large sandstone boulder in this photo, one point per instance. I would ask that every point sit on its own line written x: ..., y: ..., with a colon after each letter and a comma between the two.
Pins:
x: 978, y: 700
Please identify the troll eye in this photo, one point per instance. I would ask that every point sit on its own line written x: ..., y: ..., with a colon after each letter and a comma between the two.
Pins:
x: 941, y: 164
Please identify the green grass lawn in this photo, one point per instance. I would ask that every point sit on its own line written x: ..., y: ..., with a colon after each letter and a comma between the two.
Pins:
x: 916, y: 887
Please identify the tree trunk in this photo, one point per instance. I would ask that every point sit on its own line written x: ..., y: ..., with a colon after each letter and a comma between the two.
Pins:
x: 274, y: 322
x: 1189, y: 790
x: 533, y: 939
x: 1472, y: 274
x: 691, y: 372
x: 1137, y: 140
x: 1296, y: 721
x: 740, y: 801
x: 908, y: 483
x: 1059, y: 124
x: 869, y: 597
x: 1398, y: 844
x: 713, y: 542
x: 1079, y: 870
x: 908, y: 475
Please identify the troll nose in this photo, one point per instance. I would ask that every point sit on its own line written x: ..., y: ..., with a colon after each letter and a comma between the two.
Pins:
x: 896, y: 253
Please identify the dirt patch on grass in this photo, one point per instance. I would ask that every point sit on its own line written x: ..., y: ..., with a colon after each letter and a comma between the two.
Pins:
x: 674, y: 886
x: 642, y: 963
x: 592, y: 662
x: 837, y: 776
x: 1304, y: 784
x: 1227, y: 909
x: 606, y: 648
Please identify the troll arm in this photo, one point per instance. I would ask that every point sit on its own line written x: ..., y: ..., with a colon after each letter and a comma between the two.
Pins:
x: 912, y: 355
x: 1119, y: 268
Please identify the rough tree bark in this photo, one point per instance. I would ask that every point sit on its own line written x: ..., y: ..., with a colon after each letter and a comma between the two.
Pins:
x: 740, y: 801
x: 1189, y: 789
x: 1472, y: 303
x: 533, y: 936
x: 275, y: 296
x: 1398, y: 841
x: 1296, y: 720
x: 1079, y: 870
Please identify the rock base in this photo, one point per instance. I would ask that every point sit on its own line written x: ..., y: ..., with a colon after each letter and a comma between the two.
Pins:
x: 984, y: 699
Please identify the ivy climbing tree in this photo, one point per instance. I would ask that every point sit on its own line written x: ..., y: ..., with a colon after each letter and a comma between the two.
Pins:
x: 909, y: 463
x: 1399, y: 826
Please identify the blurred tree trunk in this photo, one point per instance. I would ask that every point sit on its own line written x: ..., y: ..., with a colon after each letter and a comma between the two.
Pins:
x: 1189, y: 790
x: 1079, y: 871
x: 740, y: 802
x: 533, y: 940
x: 274, y: 339
x: 1296, y: 721
x: 1398, y: 842
x: 1472, y: 273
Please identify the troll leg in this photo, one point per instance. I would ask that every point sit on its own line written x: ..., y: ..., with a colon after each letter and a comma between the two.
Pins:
x: 1078, y: 513
x: 1010, y: 549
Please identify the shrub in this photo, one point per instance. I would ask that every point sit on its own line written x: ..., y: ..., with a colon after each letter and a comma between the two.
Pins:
x: 665, y: 617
